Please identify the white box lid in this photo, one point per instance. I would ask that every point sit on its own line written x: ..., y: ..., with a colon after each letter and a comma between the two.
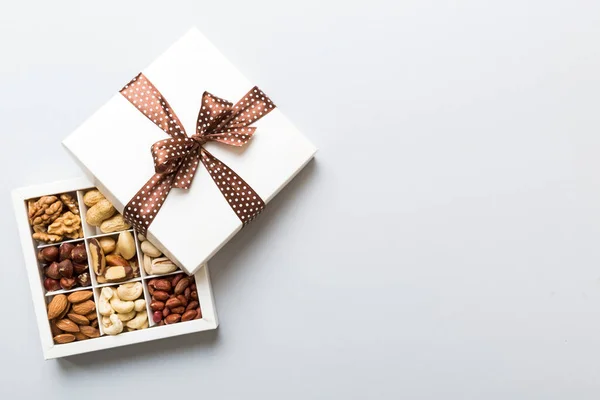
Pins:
x: 113, y: 146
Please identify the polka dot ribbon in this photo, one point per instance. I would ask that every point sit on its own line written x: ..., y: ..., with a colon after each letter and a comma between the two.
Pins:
x: 176, y: 158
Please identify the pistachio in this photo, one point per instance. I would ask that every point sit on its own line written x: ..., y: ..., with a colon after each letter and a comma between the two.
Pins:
x: 149, y: 249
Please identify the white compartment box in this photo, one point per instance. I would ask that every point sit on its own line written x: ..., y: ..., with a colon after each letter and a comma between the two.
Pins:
x: 41, y: 297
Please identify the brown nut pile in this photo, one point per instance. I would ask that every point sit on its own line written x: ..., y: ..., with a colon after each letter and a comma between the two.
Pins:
x: 65, y: 266
x: 102, y: 214
x: 174, y: 299
x: 55, y: 218
x: 73, y: 317
x: 114, y: 260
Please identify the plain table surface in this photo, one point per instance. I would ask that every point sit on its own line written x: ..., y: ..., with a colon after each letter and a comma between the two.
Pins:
x: 443, y: 244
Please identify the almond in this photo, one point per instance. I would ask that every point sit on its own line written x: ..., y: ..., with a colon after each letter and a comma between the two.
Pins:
x: 90, y: 331
x: 84, y: 308
x: 57, y: 306
x: 64, y: 338
x: 80, y: 336
x: 54, y: 329
x: 91, y: 316
x: 64, y: 313
x: 81, y: 296
x: 67, y: 325
x: 78, y: 319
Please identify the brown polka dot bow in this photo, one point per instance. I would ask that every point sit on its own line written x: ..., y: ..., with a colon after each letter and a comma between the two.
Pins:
x: 176, y: 158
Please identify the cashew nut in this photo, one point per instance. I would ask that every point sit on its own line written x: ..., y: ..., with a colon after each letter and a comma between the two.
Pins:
x: 126, y: 316
x: 107, y: 292
x: 103, y: 304
x: 130, y: 291
x: 139, y: 305
x: 116, y: 326
x: 122, y: 307
x: 105, y: 321
x: 138, y: 321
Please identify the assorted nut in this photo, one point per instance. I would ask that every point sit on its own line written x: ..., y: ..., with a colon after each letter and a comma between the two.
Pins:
x: 65, y: 266
x: 55, y: 218
x: 113, y: 260
x: 174, y: 299
x: 73, y: 317
x: 123, y: 308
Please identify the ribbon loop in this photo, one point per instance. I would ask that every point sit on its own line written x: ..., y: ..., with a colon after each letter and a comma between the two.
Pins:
x: 176, y: 158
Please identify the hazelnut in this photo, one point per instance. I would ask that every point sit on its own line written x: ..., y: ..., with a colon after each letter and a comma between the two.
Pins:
x: 40, y: 256
x: 65, y: 268
x: 84, y: 279
x: 67, y: 283
x: 50, y: 254
x: 79, y: 268
x: 65, y: 251
x: 51, y: 271
x: 51, y: 284
x: 78, y: 254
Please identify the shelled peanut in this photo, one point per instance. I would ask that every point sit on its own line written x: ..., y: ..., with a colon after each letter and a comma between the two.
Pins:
x: 174, y: 299
x: 65, y: 266
x: 101, y: 213
x: 55, y: 218
x: 154, y: 261
x: 114, y: 260
x: 73, y: 317
x: 123, y: 308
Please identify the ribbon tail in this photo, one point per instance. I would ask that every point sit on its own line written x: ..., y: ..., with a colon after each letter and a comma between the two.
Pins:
x: 143, y: 207
x: 242, y: 199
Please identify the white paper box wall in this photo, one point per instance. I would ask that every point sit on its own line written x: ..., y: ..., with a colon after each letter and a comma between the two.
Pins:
x: 113, y: 146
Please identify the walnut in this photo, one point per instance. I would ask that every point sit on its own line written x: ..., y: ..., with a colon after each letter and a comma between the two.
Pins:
x: 68, y: 223
x: 40, y: 228
x: 78, y: 234
x: 47, y: 237
x: 70, y: 202
x: 45, y: 210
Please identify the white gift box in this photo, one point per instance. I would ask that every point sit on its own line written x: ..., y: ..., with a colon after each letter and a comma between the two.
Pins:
x: 113, y: 146
x: 41, y: 297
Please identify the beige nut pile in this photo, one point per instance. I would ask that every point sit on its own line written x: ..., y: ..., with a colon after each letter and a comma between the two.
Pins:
x: 55, y: 218
x: 154, y: 261
x: 123, y: 308
x: 102, y: 214
x: 114, y: 260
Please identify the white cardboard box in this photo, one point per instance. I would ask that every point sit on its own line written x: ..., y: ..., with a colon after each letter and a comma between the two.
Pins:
x: 192, y: 225
x: 41, y: 298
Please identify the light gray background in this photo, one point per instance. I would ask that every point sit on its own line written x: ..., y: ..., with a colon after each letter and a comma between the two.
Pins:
x: 445, y: 243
